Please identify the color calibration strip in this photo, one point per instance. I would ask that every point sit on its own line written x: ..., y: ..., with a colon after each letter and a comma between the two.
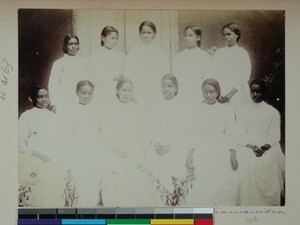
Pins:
x: 114, y: 216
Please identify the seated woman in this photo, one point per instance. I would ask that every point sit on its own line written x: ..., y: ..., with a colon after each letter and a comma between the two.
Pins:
x: 261, y: 161
x: 171, y: 139
x: 125, y: 133
x: 214, y: 158
x: 82, y: 146
x: 39, y: 157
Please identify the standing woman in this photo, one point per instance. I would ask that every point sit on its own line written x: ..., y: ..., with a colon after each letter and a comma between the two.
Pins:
x: 105, y: 66
x: 214, y: 158
x: 145, y: 65
x: 233, y: 68
x: 65, y: 73
x: 192, y: 65
x: 261, y: 161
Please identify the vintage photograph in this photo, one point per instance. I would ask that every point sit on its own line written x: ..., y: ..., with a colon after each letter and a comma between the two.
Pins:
x: 151, y: 108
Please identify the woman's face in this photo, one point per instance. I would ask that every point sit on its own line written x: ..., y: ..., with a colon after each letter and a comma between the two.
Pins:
x: 42, y: 99
x: 110, y: 40
x: 125, y: 93
x: 72, y: 47
x: 210, y: 94
x: 230, y: 37
x: 147, y: 34
x: 168, y: 89
x: 256, y: 93
x: 85, y: 94
x: 191, y: 39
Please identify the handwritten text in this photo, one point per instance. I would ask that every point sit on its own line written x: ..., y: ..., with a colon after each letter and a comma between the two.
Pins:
x: 6, y: 69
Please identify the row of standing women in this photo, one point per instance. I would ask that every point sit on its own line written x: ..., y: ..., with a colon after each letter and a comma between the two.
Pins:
x: 146, y: 63
x: 118, y: 159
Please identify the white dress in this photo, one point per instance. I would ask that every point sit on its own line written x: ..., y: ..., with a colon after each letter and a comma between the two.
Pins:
x: 84, y: 151
x: 38, y: 129
x: 103, y: 66
x: 125, y: 129
x: 261, y: 178
x: 174, y: 126
x: 66, y: 72
x: 192, y: 67
x: 232, y: 68
x: 145, y: 66
x: 215, y: 182
x: 38, y: 132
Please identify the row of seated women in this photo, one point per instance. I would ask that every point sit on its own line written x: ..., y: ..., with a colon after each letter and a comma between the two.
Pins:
x: 120, y: 155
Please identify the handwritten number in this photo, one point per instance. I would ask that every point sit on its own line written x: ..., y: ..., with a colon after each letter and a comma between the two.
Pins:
x: 7, y: 67
x: 6, y: 70
x: 2, y: 95
x: 251, y: 220
x: 4, y: 81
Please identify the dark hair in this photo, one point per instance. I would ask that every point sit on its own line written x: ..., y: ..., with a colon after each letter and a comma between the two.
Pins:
x: 34, y: 92
x: 261, y: 83
x: 84, y: 83
x: 67, y: 38
x: 122, y: 81
x: 149, y: 24
x: 197, y: 31
x: 106, y: 31
x: 213, y: 83
x: 171, y: 77
x: 234, y: 28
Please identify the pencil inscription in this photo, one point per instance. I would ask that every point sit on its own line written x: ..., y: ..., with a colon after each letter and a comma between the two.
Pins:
x: 6, y: 69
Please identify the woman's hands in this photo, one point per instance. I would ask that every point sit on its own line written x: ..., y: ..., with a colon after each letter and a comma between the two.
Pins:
x: 162, y: 149
x: 233, y: 160
x: 259, y: 151
x: 120, y: 153
x: 189, y: 160
x: 40, y: 156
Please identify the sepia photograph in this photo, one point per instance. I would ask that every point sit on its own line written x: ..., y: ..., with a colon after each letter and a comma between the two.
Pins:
x: 151, y: 108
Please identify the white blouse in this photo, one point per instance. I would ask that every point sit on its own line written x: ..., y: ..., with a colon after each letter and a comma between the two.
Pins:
x: 145, y: 66
x: 103, y: 67
x: 232, y: 68
x: 192, y: 67
x: 38, y: 129
x: 66, y: 72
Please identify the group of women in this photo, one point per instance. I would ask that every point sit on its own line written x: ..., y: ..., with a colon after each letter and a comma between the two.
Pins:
x: 132, y: 133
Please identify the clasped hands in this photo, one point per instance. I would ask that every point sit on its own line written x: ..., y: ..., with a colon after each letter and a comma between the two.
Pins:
x: 162, y: 149
x: 259, y: 151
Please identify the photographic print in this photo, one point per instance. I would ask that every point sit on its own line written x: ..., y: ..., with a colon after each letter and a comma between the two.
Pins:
x: 151, y: 108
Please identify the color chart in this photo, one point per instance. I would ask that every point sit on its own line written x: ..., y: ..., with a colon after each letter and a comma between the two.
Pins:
x: 115, y: 216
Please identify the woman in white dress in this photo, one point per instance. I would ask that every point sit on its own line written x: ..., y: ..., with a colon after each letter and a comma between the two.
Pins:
x: 125, y: 133
x: 65, y: 73
x: 39, y: 157
x: 192, y: 65
x: 106, y: 65
x: 233, y: 69
x: 82, y: 146
x: 146, y: 63
x: 214, y: 158
x: 171, y: 140
x: 261, y: 161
